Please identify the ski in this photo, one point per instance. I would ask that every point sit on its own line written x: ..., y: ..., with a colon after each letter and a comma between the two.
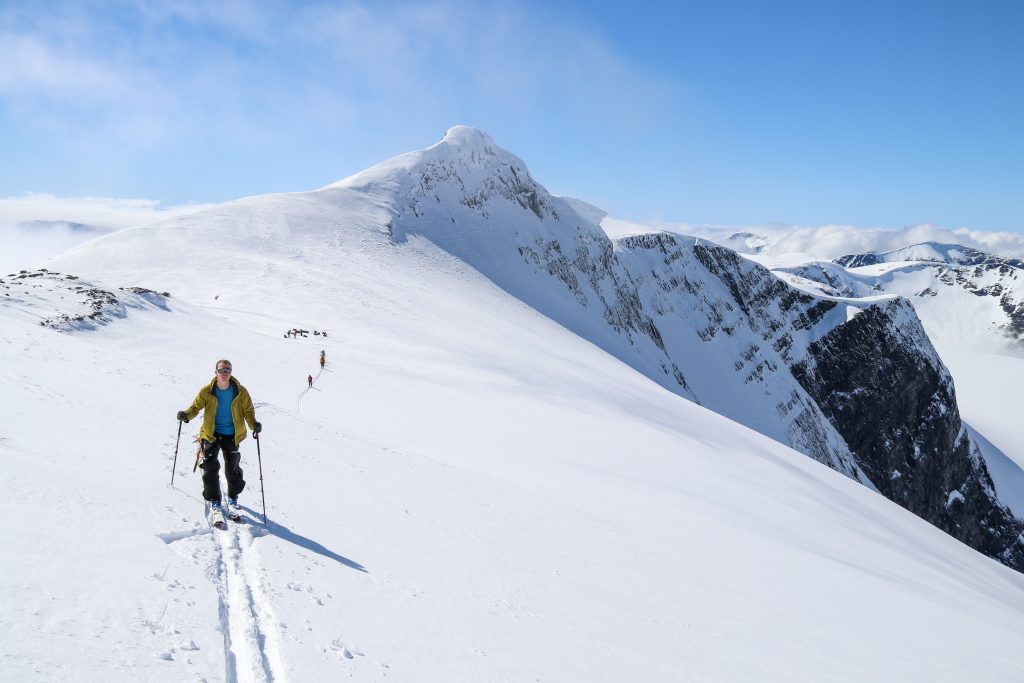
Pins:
x: 231, y: 512
x: 216, y: 517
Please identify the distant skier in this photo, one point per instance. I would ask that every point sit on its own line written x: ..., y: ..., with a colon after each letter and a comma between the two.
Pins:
x: 323, y: 360
x: 227, y: 408
x: 310, y: 380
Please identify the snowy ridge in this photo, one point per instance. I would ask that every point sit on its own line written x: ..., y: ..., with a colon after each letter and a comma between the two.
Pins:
x: 474, y: 491
x: 66, y: 303
x: 480, y: 204
x: 953, y: 254
x: 692, y: 316
x: 964, y: 297
x: 721, y: 317
x: 442, y: 496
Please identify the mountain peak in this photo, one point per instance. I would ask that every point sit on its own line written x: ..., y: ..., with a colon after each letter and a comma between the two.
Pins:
x: 464, y: 145
x: 467, y: 136
x: 930, y: 252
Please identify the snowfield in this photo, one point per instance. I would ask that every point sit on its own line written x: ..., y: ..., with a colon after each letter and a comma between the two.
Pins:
x: 470, y: 491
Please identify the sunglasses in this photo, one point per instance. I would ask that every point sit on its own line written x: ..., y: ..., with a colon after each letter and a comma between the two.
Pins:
x: 224, y: 371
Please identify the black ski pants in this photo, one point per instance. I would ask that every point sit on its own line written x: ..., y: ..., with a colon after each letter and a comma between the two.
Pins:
x: 211, y: 467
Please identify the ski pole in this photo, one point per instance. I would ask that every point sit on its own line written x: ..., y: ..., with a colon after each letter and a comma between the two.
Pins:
x: 259, y: 458
x: 199, y: 452
x: 176, y: 443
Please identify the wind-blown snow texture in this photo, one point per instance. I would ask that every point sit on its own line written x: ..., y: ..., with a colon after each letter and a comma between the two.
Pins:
x: 470, y: 491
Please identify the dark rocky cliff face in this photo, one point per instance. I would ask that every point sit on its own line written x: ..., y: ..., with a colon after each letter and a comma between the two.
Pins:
x: 714, y: 307
x: 876, y: 378
x: 769, y: 301
x: 865, y: 395
x: 896, y: 408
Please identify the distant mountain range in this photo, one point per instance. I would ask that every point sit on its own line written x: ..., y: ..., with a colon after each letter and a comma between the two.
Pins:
x: 72, y: 226
x: 952, y: 254
x: 964, y: 296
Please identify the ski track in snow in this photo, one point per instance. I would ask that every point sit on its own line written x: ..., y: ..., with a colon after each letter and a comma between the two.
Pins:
x: 251, y: 650
x: 246, y: 621
x: 298, y: 400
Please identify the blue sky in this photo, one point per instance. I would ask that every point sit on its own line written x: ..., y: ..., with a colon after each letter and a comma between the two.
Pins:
x: 809, y: 113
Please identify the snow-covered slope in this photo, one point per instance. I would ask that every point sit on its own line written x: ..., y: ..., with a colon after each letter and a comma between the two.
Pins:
x: 480, y: 204
x: 690, y: 315
x: 470, y: 492
x: 485, y: 483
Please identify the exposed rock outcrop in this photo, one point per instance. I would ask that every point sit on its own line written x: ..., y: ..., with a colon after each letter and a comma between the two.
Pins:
x: 853, y: 384
x: 892, y: 400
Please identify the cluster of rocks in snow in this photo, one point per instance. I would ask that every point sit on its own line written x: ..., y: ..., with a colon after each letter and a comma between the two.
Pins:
x: 66, y: 303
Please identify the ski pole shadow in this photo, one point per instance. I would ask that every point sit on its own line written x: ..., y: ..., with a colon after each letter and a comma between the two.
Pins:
x: 287, y: 534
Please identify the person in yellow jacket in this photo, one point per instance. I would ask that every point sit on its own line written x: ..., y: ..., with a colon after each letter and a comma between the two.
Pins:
x: 227, y: 408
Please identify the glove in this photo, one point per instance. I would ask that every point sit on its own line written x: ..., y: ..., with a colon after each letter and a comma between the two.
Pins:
x: 256, y: 427
x: 182, y: 416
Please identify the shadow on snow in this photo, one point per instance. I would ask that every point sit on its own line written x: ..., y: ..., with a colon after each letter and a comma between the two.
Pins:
x: 287, y: 534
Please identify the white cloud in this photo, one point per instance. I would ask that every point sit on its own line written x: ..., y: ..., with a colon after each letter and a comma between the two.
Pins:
x: 102, y: 213
x: 832, y: 241
x: 32, y: 64
x: 242, y: 69
x: 34, y: 227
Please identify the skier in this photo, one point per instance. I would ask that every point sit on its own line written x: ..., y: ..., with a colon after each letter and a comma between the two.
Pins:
x: 322, y: 360
x: 310, y: 380
x: 228, y: 408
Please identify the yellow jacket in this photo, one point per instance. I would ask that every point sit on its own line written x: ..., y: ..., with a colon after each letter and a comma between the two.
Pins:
x: 242, y: 410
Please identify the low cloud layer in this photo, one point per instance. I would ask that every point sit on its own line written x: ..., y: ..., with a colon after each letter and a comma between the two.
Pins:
x: 35, y: 227
x: 833, y: 241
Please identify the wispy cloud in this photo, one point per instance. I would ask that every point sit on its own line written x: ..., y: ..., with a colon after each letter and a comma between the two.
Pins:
x: 33, y: 65
x: 122, y: 83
